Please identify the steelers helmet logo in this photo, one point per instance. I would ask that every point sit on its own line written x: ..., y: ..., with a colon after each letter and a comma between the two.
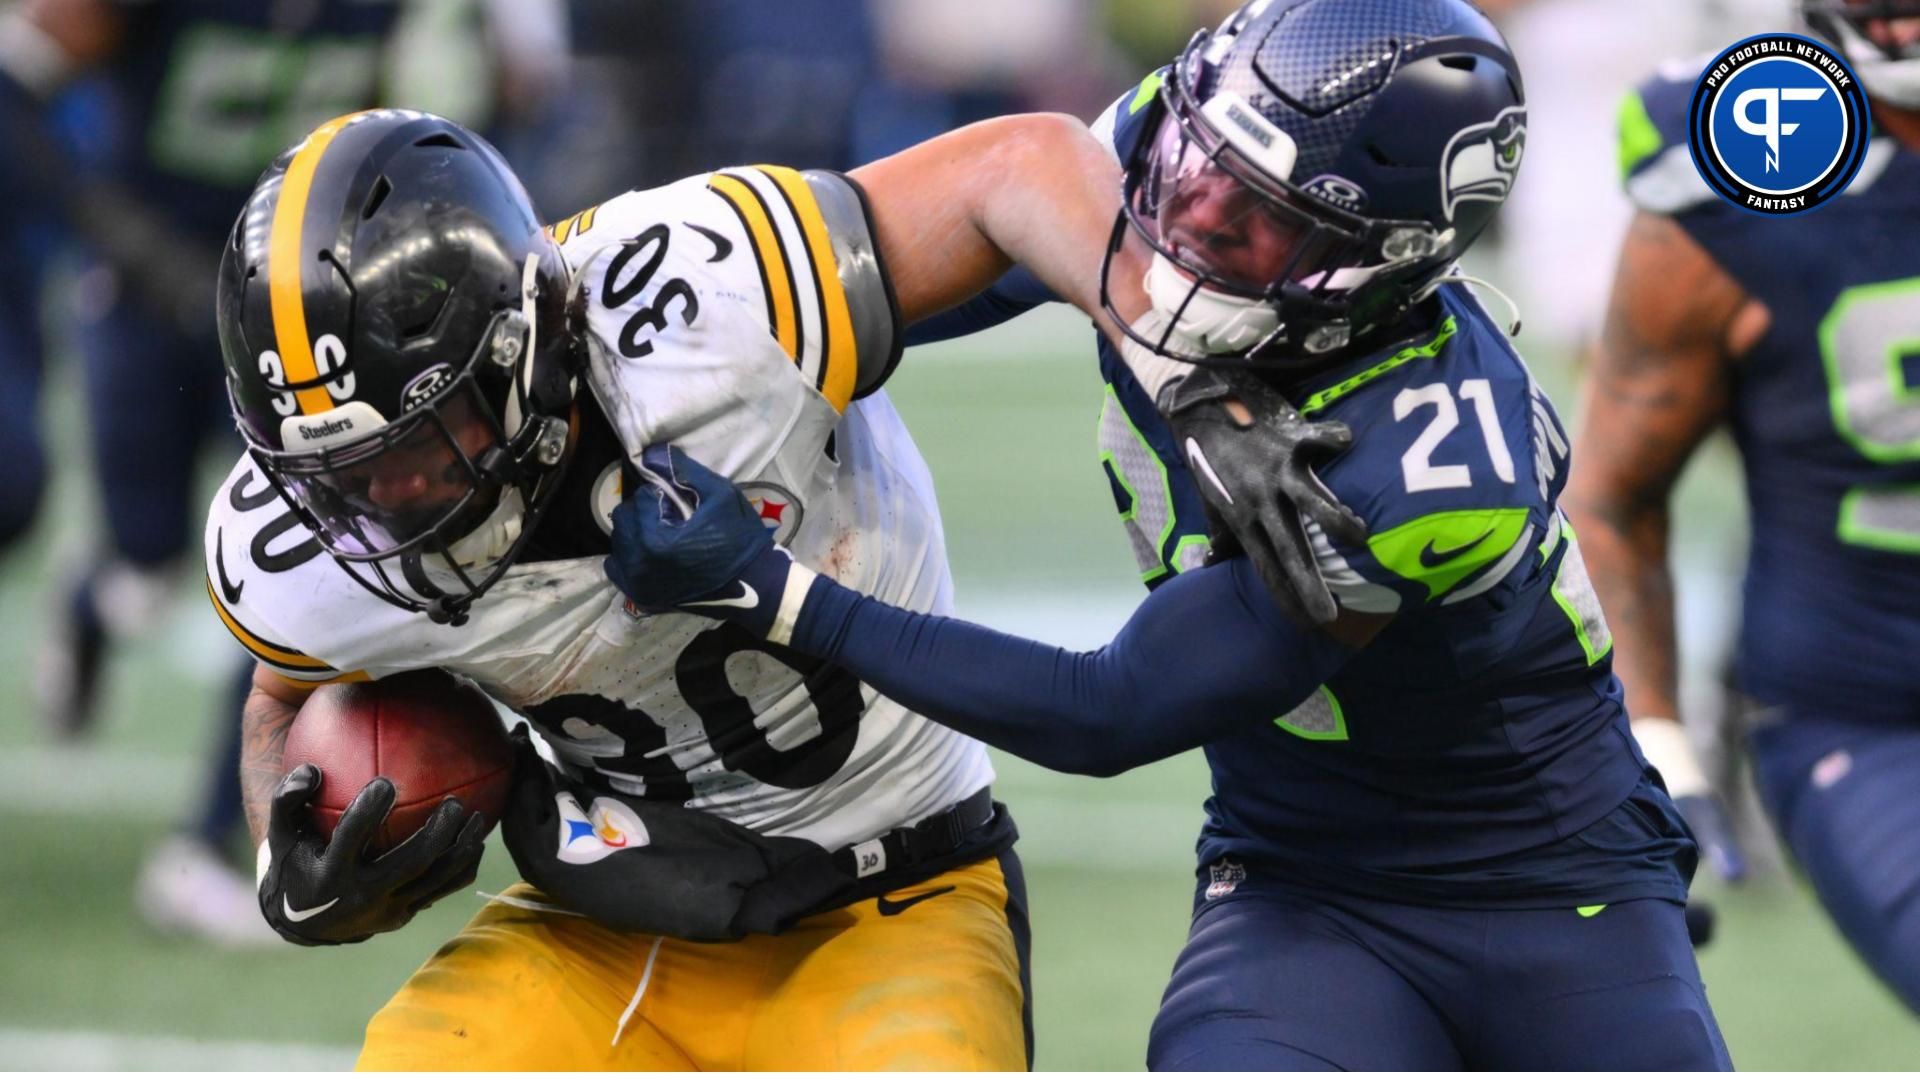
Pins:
x: 1778, y: 124
x: 779, y: 511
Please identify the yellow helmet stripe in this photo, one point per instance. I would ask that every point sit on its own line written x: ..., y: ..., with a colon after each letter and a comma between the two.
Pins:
x: 284, y: 267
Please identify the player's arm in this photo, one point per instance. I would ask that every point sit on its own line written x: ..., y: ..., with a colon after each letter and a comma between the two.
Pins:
x: 1207, y: 653
x: 333, y: 892
x: 953, y: 213
x: 1658, y: 384
x: 266, y: 718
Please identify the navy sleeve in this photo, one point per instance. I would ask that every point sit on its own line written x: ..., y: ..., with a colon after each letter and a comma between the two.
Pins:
x: 1016, y: 293
x: 1203, y: 655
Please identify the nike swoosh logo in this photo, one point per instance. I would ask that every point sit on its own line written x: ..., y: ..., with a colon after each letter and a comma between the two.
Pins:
x: 302, y: 915
x: 748, y: 598
x: 722, y: 247
x: 889, y: 906
x: 228, y: 589
x: 1430, y: 558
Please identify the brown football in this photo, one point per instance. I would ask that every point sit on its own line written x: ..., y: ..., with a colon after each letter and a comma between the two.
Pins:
x: 429, y: 733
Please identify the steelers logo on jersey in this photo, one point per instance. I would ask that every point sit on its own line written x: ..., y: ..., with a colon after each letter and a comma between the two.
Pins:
x: 780, y: 511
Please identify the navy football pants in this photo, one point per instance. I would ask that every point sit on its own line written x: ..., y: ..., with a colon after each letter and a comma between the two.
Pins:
x: 1273, y: 979
x: 155, y: 399
x: 1845, y: 796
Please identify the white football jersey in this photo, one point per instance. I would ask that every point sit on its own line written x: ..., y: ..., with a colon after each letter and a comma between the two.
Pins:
x: 740, y: 316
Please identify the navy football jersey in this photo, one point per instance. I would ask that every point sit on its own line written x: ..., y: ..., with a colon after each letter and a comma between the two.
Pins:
x: 213, y: 89
x: 1458, y: 754
x: 1826, y: 412
x: 1477, y: 751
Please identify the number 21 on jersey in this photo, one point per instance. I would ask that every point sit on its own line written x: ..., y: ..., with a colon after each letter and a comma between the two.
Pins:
x: 1417, y: 465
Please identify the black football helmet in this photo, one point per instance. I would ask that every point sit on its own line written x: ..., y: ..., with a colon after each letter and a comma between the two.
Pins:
x: 392, y: 318
x: 1890, y: 71
x: 1312, y: 167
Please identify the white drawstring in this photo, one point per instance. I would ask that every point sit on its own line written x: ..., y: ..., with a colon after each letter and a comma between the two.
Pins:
x: 646, y: 976
x: 529, y: 905
x: 1513, y: 309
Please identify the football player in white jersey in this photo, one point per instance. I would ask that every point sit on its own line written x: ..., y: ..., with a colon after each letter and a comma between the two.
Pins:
x: 747, y: 858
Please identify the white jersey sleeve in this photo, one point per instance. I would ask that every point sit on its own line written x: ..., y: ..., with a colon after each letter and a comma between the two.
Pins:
x: 736, y: 314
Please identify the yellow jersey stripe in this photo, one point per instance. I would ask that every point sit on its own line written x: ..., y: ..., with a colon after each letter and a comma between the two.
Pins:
x: 272, y: 653
x: 783, y: 293
x: 284, y: 267
x: 839, y: 356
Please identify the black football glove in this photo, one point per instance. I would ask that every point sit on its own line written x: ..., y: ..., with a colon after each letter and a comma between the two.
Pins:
x: 318, y: 892
x: 1258, y: 482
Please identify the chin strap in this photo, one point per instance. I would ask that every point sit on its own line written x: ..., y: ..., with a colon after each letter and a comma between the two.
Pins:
x: 1513, y: 309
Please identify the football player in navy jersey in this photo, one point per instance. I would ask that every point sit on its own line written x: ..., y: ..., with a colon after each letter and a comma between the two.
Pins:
x: 1798, y: 333
x: 206, y: 91
x: 1433, y: 842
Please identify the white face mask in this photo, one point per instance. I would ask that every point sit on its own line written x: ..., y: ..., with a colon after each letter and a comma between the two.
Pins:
x: 1211, y: 321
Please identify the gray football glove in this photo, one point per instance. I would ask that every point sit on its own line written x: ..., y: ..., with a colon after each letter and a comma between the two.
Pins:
x: 1258, y: 483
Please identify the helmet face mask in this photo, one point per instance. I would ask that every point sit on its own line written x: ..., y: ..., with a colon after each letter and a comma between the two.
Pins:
x: 1279, y: 229
x: 1868, y: 33
x: 433, y: 431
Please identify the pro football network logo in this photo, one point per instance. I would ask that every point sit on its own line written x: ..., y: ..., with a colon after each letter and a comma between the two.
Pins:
x: 1778, y: 124
x: 591, y: 835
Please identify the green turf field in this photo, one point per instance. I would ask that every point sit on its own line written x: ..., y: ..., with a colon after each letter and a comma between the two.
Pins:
x: 1008, y: 428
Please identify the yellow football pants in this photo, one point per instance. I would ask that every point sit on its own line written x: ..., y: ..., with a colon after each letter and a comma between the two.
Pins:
x: 894, y: 983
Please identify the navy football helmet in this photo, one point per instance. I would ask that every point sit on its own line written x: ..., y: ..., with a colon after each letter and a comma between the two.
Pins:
x: 392, y: 318
x: 1314, y: 166
x: 1863, y: 32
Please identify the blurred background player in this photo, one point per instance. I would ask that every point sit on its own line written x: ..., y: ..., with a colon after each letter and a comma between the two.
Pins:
x: 196, y: 95
x: 1799, y: 334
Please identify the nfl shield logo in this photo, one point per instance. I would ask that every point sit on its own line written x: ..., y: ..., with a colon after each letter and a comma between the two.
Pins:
x: 1225, y: 876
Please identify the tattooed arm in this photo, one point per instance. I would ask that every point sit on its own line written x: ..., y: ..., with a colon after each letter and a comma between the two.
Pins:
x: 264, y: 723
x: 1658, y: 385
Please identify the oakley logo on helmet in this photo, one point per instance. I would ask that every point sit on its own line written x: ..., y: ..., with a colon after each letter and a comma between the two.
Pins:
x: 423, y: 387
x: 1778, y: 124
x: 1338, y: 191
x: 1481, y: 160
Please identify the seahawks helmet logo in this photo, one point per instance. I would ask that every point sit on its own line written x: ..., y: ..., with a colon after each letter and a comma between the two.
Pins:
x: 1480, y: 161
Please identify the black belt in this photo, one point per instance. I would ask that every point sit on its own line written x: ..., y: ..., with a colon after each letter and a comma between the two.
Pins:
x: 929, y: 838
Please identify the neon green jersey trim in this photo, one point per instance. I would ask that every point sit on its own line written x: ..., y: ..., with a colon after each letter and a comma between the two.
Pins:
x: 1441, y: 550
x: 1336, y: 733
x: 1837, y: 380
x: 1149, y: 86
x: 1590, y: 910
x: 1639, y: 139
x: 1348, y: 385
x: 1853, y: 529
x: 1133, y: 496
